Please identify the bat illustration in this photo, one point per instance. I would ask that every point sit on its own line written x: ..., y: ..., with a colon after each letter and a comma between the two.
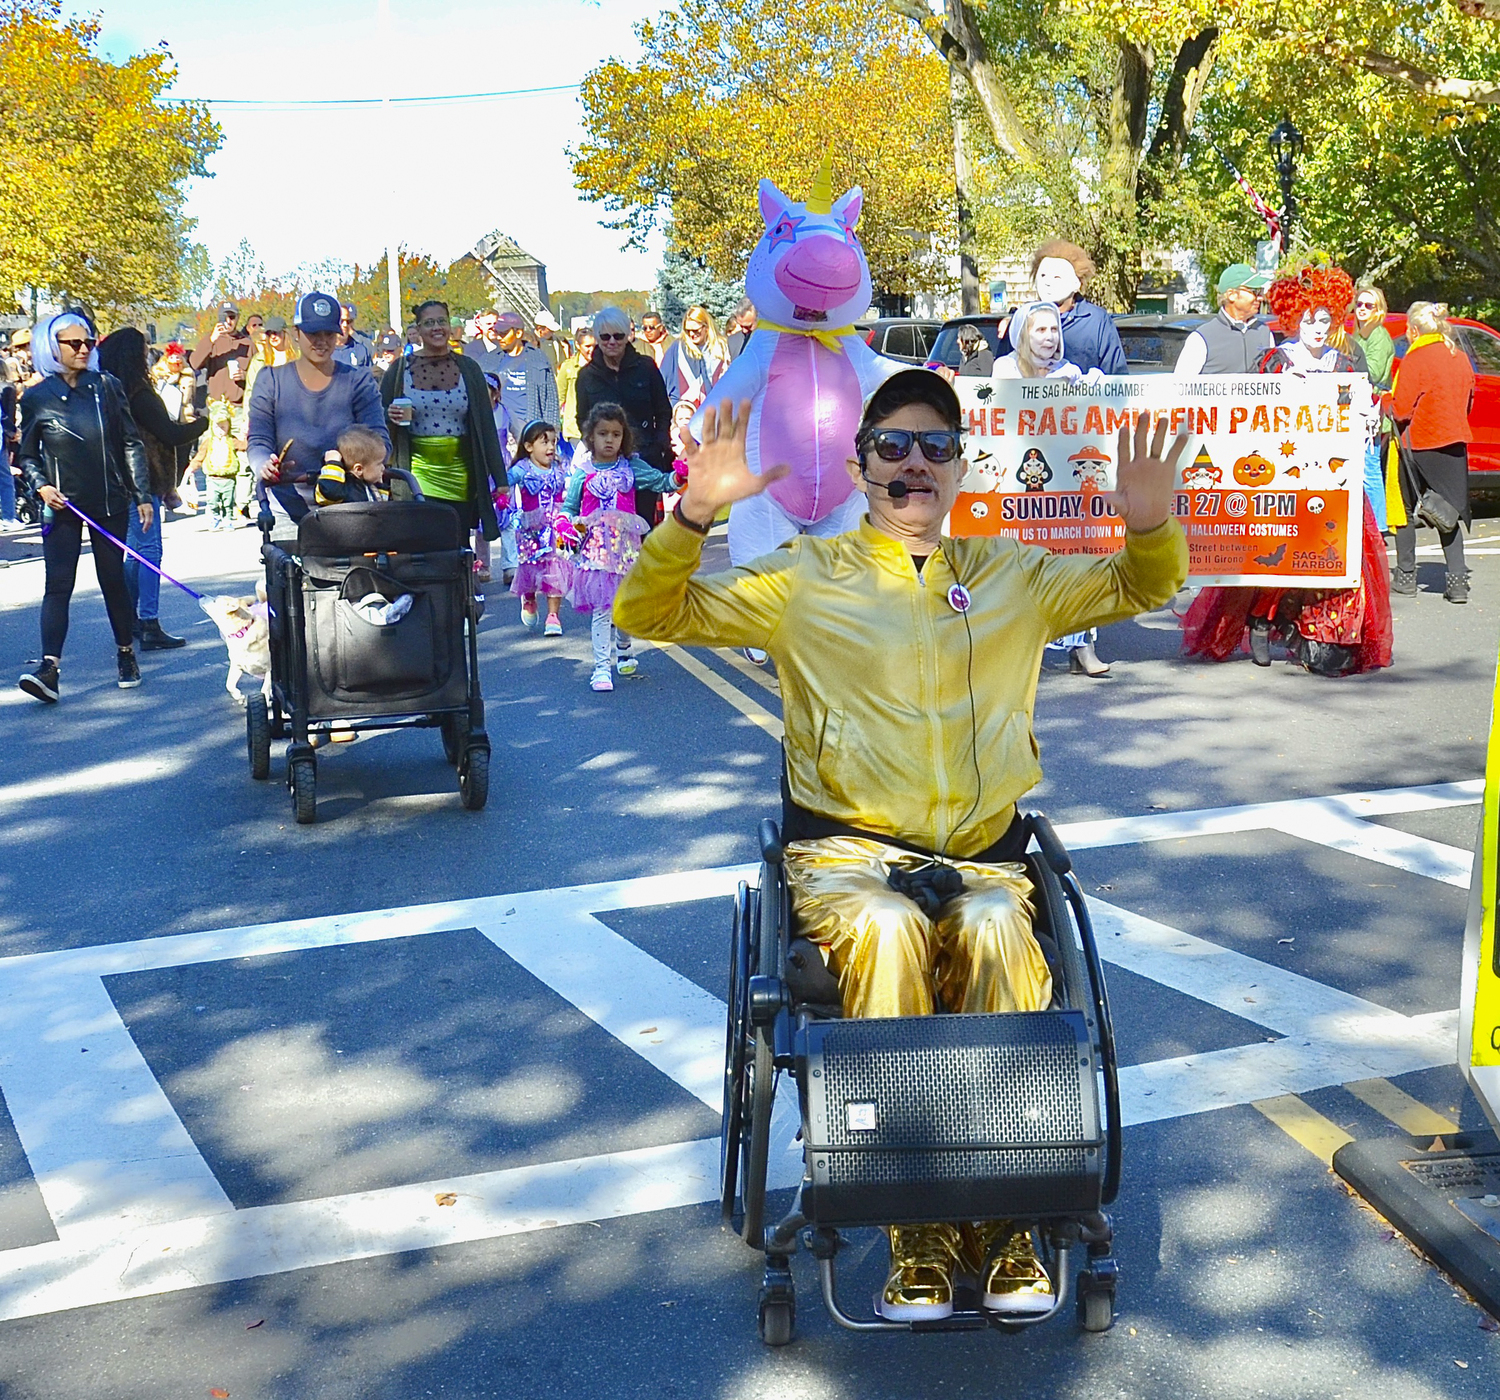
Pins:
x: 1274, y: 558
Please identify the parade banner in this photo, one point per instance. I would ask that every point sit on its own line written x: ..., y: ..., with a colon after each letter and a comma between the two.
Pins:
x: 1271, y: 484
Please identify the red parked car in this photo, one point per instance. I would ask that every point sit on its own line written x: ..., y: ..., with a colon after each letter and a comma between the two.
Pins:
x: 1482, y: 345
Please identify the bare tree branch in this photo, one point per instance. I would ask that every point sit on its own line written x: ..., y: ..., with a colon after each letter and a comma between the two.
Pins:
x: 957, y: 39
x: 1485, y: 94
x: 1179, y: 105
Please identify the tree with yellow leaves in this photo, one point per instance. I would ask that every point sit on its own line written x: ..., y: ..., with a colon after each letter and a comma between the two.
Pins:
x: 1108, y: 120
x: 92, y: 166
x: 727, y: 92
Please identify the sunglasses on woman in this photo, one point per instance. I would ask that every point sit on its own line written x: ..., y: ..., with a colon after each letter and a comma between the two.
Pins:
x: 1364, y: 306
x: 76, y: 345
x: 610, y: 335
x: 895, y: 444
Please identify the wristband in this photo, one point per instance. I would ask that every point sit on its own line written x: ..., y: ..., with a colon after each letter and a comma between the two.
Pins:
x: 681, y: 519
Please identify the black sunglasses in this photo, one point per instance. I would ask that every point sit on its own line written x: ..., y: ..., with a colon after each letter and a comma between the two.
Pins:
x: 610, y: 335
x: 74, y: 345
x: 895, y: 444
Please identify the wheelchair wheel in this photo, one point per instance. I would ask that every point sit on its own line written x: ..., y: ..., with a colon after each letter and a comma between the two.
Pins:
x: 749, y: 1084
x: 1077, y: 995
x: 1096, y: 1310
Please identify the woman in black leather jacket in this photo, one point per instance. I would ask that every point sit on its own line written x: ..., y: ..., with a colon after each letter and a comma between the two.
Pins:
x: 122, y: 353
x: 79, y: 443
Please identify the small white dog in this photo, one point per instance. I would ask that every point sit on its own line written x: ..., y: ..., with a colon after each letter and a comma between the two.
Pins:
x: 242, y: 623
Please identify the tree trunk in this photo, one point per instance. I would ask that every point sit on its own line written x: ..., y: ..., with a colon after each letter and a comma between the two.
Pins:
x: 1117, y: 244
x: 968, y: 262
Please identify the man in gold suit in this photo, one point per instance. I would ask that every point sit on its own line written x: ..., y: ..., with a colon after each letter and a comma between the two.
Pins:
x: 908, y: 663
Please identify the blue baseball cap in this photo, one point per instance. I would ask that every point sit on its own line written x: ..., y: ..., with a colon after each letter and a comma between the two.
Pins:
x: 317, y: 311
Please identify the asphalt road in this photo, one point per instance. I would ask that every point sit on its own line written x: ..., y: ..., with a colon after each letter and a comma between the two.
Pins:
x: 221, y: 1156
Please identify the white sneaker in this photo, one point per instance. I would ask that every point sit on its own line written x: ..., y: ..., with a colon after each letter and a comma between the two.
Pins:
x: 626, y: 665
x: 601, y: 679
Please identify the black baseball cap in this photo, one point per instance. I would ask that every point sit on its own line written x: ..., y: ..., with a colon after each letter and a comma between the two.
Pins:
x: 317, y: 311
x: 909, y: 386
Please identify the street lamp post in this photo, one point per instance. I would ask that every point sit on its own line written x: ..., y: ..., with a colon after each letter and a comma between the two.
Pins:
x: 1286, y: 144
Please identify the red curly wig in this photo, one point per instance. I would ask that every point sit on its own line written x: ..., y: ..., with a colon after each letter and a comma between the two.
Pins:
x: 1293, y: 296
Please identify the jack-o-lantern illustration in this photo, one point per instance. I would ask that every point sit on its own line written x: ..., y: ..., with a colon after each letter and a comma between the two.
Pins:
x: 1254, y: 470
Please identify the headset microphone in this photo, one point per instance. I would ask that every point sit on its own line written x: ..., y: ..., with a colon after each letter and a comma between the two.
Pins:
x: 897, y: 490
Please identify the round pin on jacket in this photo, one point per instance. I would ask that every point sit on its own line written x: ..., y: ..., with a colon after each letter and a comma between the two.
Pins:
x: 958, y: 598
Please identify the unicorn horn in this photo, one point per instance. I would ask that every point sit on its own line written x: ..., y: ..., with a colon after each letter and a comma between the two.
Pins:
x: 821, y: 199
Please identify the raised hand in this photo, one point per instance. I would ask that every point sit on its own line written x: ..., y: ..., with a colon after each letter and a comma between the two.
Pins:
x: 1145, y: 480
x: 718, y: 472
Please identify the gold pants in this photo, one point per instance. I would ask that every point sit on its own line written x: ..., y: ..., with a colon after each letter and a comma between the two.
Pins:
x: 891, y: 959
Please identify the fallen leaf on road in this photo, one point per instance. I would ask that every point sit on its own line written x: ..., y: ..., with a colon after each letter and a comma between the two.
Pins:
x: 1286, y: 940
x: 446, y: 1198
x: 1488, y: 1324
x: 650, y: 1030
x: 1104, y: 887
x: 251, y: 1326
x: 1251, y: 1000
x: 1132, y: 1331
x: 219, y: 1394
x: 1462, y: 1365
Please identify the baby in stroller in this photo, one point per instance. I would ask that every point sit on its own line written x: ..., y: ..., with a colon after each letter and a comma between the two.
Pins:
x: 355, y: 470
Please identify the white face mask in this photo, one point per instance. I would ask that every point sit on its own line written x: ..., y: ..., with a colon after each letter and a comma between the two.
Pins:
x: 1313, y: 332
x: 1056, y: 280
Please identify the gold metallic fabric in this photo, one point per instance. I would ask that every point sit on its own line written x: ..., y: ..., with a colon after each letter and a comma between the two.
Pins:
x: 875, y: 663
x: 891, y: 959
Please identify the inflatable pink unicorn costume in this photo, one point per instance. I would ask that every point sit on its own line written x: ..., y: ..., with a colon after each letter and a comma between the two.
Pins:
x: 805, y: 370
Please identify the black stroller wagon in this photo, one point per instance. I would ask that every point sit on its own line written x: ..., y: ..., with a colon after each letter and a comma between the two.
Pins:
x: 372, y: 626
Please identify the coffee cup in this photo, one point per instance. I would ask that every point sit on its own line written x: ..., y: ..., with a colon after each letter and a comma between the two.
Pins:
x: 400, y: 412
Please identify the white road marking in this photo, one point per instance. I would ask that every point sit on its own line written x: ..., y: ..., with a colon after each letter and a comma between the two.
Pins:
x: 138, y: 1212
x: 1326, y: 821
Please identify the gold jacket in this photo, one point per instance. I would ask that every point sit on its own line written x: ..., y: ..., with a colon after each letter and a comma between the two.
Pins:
x: 874, y: 661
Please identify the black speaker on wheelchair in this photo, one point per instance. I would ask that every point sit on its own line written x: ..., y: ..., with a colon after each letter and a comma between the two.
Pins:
x: 911, y: 1120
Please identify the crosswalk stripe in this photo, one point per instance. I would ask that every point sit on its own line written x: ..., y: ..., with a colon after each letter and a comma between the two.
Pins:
x: 1301, y: 1122
x: 1409, y: 1114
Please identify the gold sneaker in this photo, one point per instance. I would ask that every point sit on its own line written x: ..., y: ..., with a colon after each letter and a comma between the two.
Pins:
x: 1015, y: 1282
x: 920, y: 1284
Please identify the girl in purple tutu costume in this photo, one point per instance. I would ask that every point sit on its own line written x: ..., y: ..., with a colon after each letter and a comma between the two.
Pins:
x: 601, y: 496
x: 543, y: 565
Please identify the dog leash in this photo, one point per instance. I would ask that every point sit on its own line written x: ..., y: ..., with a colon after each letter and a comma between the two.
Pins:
x: 141, y: 558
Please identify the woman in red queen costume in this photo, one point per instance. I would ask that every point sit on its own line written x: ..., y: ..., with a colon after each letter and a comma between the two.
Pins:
x: 1330, y: 632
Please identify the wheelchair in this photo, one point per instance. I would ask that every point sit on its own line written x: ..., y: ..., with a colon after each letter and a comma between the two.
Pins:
x: 919, y: 1119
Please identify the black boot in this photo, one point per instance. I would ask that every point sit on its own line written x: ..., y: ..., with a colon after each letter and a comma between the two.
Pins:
x: 1404, y: 581
x: 1260, y: 641
x: 1457, y: 589
x: 1328, y: 658
x: 154, y: 639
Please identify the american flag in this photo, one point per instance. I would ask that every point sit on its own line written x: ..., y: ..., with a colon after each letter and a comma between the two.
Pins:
x: 1272, y: 218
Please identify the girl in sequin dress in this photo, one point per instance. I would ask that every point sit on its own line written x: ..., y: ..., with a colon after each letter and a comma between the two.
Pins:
x: 601, y: 495
x: 542, y: 566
